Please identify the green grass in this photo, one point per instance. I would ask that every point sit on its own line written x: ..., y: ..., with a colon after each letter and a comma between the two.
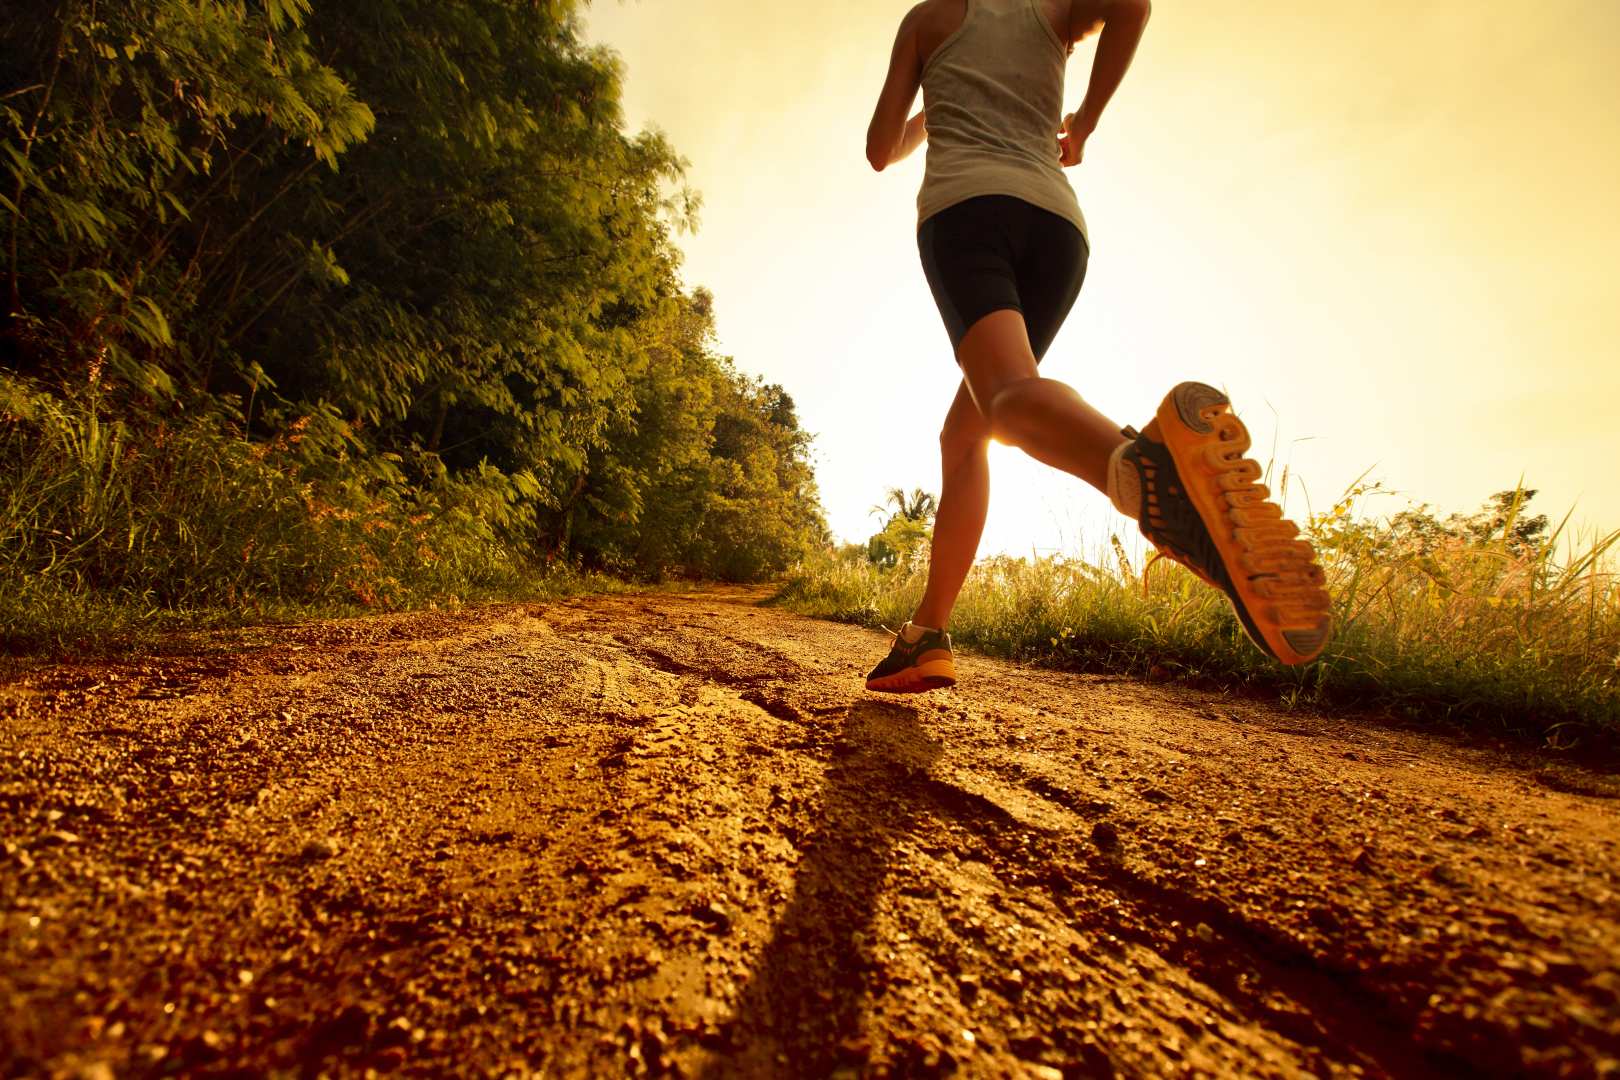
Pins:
x: 41, y: 622
x: 113, y: 529
x: 1437, y: 621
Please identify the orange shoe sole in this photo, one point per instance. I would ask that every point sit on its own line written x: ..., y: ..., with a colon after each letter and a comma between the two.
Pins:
x: 1207, y: 442
x: 932, y: 675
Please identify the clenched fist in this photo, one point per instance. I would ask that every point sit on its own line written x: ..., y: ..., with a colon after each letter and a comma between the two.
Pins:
x: 1072, y: 139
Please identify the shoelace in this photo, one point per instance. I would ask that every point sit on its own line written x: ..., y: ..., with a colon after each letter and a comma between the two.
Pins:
x: 1281, y: 567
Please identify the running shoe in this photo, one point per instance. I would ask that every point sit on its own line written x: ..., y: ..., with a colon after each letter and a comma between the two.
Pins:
x: 1203, y: 506
x: 914, y: 666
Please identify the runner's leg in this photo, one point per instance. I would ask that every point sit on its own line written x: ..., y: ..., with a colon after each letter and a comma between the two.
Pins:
x: 989, y: 261
x: 1042, y: 417
x: 964, y: 501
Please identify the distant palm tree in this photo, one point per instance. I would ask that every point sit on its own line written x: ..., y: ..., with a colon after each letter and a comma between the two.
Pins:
x: 920, y: 506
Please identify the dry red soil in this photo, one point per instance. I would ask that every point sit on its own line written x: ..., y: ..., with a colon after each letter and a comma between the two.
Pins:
x: 666, y: 834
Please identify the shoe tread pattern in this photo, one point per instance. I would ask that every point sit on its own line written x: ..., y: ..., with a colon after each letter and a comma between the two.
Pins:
x: 1180, y: 532
x: 1192, y: 398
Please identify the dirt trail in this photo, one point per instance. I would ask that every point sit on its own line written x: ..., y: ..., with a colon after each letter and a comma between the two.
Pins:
x: 657, y: 834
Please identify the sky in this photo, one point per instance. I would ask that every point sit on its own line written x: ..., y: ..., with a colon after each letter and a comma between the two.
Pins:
x: 1390, y: 232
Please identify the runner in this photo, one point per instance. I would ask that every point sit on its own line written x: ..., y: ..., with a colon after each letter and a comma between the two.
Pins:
x: 1004, y: 248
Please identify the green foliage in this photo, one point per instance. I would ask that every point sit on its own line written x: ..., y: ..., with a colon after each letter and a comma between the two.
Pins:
x: 1479, y: 612
x: 918, y: 506
x: 908, y: 531
x: 125, y: 126
x: 709, y: 476
x: 901, y: 540
x: 169, y: 517
x: 1472, y: 618
x: 396, y: 254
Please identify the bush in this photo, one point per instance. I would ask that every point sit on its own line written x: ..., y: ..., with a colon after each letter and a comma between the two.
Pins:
x: 103, y: 518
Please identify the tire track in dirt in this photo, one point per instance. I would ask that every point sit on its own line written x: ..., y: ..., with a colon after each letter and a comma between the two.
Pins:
x: 666, y: 834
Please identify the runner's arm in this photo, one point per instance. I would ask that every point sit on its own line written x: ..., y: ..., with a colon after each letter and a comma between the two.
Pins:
x: 1123, y: 22
x: 891, y: 137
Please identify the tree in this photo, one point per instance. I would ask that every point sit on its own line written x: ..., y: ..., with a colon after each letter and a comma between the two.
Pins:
x: 410, y: 238
x: 129, y: 130
x: 919, y: 506
x: 908, y: 529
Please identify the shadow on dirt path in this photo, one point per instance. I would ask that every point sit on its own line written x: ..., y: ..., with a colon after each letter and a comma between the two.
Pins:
x: 802, y: 1005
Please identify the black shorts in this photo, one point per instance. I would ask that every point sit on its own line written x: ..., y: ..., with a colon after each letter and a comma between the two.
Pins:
x: 996, y: 252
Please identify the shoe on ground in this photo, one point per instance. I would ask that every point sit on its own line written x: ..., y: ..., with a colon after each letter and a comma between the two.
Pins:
x: 915, y: 666
x: 1202, y: 505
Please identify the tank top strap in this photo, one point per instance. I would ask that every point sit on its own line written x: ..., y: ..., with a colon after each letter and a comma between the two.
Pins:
x: 1040, y: 17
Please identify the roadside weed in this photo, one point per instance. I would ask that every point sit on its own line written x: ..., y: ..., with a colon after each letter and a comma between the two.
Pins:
x: 1493, y: 618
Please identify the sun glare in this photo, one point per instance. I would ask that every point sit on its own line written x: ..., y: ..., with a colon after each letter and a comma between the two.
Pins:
x: 1331, y: 255
x: 1035, y: 510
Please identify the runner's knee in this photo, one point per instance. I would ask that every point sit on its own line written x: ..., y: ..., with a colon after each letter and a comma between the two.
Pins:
x: 1006, y: 394
x: 960, y: 441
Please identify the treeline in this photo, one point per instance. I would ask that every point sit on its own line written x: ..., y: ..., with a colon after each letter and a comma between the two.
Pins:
x: 401, y: 255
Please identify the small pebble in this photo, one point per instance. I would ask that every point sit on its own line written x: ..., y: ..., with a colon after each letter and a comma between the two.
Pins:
x: 1104, y: 835
x: 715, y: 915
x: 321, y: 847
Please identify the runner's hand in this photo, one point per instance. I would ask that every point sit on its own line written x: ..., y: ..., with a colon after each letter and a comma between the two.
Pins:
x: 1072, y: 140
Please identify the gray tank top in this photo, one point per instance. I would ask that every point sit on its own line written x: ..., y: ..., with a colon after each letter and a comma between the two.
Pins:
x: 994, y: 95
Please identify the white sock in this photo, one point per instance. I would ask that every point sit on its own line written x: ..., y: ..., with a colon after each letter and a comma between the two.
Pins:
x: 911, y: 633
x: 1124, y: 484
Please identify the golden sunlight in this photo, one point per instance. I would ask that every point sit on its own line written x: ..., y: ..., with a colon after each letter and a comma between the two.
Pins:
x: 1367, y: 230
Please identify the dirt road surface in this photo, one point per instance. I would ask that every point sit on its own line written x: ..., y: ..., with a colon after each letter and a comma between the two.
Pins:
x: 672, y: 835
